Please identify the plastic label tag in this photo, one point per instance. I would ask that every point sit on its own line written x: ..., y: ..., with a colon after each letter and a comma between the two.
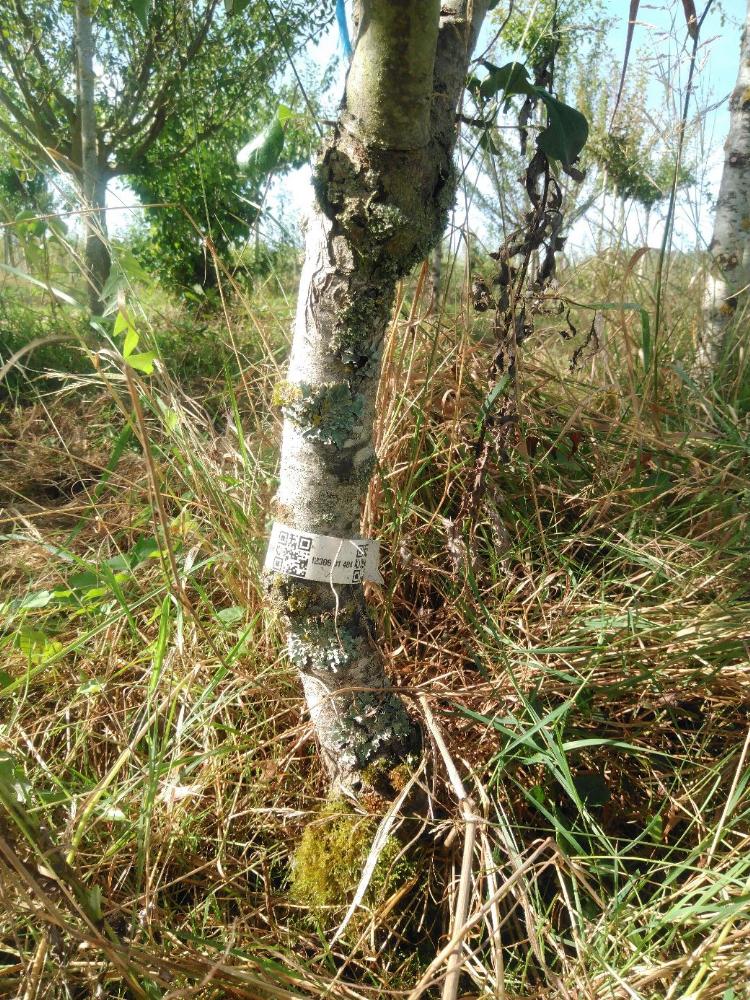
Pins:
x: 322, y: 557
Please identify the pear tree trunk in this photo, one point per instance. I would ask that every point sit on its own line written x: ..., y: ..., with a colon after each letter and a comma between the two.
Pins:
x: 728, y: 284
x: 93, y: 177
x: 384, y: 183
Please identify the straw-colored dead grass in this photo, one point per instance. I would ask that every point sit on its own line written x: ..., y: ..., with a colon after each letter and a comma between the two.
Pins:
x: 582, y: 644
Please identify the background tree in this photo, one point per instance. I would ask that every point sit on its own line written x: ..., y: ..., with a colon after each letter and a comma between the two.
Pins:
x: 729, y: 276
x: 170, y: 79
x: 211, y: 196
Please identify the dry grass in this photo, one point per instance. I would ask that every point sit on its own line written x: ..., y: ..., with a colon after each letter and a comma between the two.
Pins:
x: 582, y: 644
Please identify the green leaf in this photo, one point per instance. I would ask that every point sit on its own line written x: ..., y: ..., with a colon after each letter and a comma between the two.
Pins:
x: 31, y: 641
x: 230, y: 615
x: 109, y: 811
x: 131, y: 342
x: 95, y: 902
x: 84, y: 581
x: 488, y: 144
x: 91, y: 686
x: 512, y: 78
x: 261, y: 154
x: 143, y: 550
x: 566, y: 132
x: 140, y: 9
x: 143, y: 362
x: 13, y: 781
x: 122, y: 323
x: 495, y: 392
x: 38, y: 600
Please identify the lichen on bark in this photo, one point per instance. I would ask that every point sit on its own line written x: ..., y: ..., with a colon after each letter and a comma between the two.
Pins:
x: 384, y: 182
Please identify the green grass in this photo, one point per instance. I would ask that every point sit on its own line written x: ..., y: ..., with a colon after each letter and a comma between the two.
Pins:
x: 583, y: 641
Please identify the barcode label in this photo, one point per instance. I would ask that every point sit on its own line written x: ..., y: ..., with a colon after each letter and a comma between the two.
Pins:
x: 322, y: 557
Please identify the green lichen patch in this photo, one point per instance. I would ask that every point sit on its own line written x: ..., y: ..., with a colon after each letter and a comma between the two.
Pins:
x: 331, y: 856
x: 326, y: 413
x: 358, y: 337
x: 323, y: 645
x: 286, y: 393
x: 375, y: 726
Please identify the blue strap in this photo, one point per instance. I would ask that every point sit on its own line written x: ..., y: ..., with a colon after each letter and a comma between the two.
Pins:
x: 343, y: 28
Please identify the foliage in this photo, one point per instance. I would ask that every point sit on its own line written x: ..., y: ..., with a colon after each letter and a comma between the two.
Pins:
x: 204, y: 201
x: 23, y: 190
x: 566, y: 131
x: 632, y: 171
x: 180, y: 88
x: 545, y: 31
x: 187, y: 66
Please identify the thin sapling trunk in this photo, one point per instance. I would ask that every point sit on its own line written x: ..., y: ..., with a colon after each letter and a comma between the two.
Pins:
x: 384, y: 183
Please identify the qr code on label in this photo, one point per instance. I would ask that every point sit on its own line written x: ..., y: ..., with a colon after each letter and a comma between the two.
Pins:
x: 292, y: 553
x: 359, y: 566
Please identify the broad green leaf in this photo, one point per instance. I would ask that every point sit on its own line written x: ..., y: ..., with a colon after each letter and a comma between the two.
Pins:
x: 230, y: 615
x: 38, y: 600
x: 13, y: 781
x: 144, y: 549
x: 92, y: 685
x: 143, y: 362
x: 35, y: 645
x: 512, y: 78
x: 261, y: 154
x: 31, y: 641
x: 566, y: 132
x: 131, y: 342
x: 111, y: 812
x: 122, y: 323
x: 83, y: 581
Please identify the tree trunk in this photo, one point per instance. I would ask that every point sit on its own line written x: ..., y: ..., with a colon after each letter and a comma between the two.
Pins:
x: 93, y: 177
x: 728, y: 280
x: 384, y: 184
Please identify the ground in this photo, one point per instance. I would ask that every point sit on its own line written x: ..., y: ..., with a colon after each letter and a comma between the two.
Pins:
x: 582, y: 641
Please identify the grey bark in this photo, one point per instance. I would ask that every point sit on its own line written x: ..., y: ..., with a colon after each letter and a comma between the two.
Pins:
x: 93, y: 181
x: 729, y: 278
x: 384, y: 183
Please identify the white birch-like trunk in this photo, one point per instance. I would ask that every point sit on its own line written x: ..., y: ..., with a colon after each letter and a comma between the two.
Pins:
x: 728, y: 283
x: 93, y: 181
x: 384, y: 183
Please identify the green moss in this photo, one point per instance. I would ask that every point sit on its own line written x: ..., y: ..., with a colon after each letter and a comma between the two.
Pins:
x: 327, y: 413
x: 331, y: 856
x: 382, y: 771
